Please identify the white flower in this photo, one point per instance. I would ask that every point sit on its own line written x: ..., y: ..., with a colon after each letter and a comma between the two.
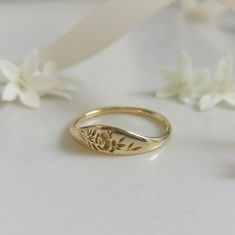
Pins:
x: 28, y: 81
x: 48, y: 83
x: 222, y: 88
x: 229, y: 4
x: 202, y: 10
x: 185, y: 83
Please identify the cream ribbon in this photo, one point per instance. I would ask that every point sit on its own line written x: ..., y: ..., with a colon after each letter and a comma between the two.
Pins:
x: 102, y: 27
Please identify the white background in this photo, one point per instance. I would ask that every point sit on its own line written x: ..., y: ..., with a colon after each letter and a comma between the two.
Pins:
x: 49, y: 186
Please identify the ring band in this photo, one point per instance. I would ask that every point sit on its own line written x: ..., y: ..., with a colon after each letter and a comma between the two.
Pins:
x: 112, y: 140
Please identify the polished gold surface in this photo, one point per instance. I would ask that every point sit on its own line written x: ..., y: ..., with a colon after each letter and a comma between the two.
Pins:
x: 112, y: 140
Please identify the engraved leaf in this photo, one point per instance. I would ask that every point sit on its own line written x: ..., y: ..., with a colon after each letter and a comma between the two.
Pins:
x: 89, y: 144
x: 100, y: 148
x: 114, y: 142
x: 83, y: 137
x: 130, y: 145
x: 93, y: 145
x: 94, y: 132
x: 89, y: 132
x: 96, y: 138
x: 120, y: 145
x: 122, y: 139
x: 136, y: 148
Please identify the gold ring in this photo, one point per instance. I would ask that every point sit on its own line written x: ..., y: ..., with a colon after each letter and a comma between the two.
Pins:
x: 112, y: 140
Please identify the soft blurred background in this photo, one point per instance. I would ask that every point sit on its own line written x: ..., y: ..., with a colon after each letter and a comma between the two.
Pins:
x: 49, y: 186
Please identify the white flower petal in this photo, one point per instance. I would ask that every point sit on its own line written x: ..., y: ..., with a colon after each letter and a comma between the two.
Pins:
x: 167, y: 91
x: 225, y: 68
x: 208, y: 101
x: 185, y: 96
x: 29, y: 97
x: 50, y: 69
x: 230, y: 98
x: 44, y: 85
x: 184, y: 65
x: 9, y: 70
x: 168, y: 73
x: 10, y: 92
x: 2, y: 78
x: 30, y: 65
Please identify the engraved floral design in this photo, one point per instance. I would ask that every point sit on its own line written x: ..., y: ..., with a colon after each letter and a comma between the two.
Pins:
x: 103, y: 140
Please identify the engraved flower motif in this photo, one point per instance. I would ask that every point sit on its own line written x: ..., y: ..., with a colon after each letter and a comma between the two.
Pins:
x: 110, y: 145
x: 106, y: 135
x: 105, y: 141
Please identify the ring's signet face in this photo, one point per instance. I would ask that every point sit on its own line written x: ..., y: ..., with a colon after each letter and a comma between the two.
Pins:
x: 112, y: 140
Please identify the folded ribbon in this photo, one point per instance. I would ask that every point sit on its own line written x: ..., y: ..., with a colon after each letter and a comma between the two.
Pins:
x: 100, y: 29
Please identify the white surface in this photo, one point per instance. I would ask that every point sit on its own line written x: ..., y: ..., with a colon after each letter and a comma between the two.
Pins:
x: 49, y: 186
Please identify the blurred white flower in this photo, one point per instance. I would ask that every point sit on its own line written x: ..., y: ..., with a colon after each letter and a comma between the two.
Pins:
x: 184, y: 82
x: 222, y: 88
x: 49, y: 84
x: 229, y: 4
x: 28, y: 81
x: 202, y: 10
